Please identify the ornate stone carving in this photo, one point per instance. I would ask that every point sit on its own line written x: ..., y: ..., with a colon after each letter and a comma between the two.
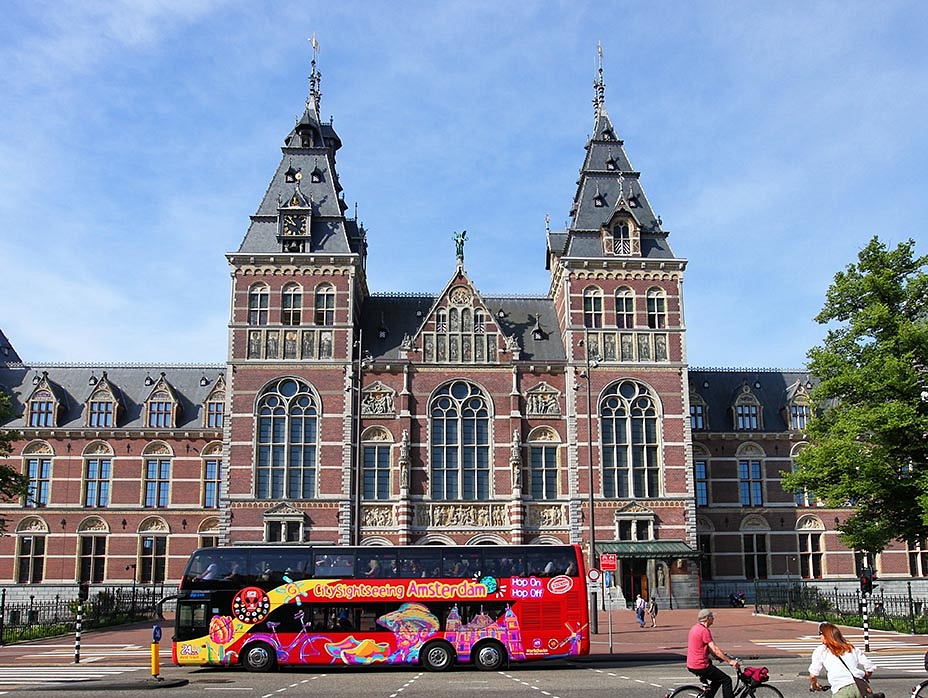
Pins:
x: 32, y: 525
x: 98, y: 448
x: 39, y: 448
x: 154, y: 524
x: 548, y: 515
x: 93, y: 524
x: 378, y: 399
x: 459, y: 515
x: 542, y: 401
x: 380, y: 516
x: 158, y: 448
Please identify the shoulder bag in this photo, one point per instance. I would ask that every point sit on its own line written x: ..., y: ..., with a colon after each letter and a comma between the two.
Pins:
x: 863, y: 686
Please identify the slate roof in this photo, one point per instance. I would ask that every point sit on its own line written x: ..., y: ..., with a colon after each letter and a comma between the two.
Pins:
x: 402, y: 314
x: 719, y: 388
x: 71, y: 385
x: 608, y: 183
x: 308, y: 150
x: 7, y: 351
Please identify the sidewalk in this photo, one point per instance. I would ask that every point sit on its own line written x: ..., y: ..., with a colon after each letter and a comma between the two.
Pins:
x: 737, y: 630
x: 734, y: 629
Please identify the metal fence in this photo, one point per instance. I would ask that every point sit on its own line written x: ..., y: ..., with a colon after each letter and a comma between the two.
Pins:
x: 34, y: 619
x: 903, y: 613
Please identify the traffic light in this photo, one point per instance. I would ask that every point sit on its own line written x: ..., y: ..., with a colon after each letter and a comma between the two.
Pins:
x: 866, y: 581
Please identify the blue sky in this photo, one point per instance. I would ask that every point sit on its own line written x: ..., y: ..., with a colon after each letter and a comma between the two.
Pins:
x: 774, y: 139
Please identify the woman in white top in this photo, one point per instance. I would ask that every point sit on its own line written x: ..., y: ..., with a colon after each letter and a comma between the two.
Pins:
x: 841, y: 662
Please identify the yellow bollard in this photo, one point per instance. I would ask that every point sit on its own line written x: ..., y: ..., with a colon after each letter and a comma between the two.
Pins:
x: 155, y: 660
x: 155, y: 655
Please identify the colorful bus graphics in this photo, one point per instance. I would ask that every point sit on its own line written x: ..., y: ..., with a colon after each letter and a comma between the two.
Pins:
x: 435, y: 622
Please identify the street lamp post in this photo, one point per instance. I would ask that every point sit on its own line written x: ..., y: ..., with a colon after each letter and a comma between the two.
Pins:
x: 590, y: 364
x: 362, y: 361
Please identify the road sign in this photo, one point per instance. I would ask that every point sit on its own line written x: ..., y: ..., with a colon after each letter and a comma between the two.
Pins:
x: 609, y: 562
x: 593, y: 574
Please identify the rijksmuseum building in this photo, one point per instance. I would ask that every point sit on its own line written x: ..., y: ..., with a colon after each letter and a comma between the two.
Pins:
x: 446, y: 418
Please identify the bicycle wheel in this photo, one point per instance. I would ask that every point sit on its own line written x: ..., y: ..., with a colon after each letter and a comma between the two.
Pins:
x: 921, y: 691
x: 764, y: 691
x: 686, y: 692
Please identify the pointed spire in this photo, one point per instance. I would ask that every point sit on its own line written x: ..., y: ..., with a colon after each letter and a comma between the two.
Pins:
x: 315, y: 77
x: 599, y: 84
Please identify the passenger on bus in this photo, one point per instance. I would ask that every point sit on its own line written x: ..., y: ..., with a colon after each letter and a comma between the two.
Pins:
x: 373, y: 569
x: 211, y: 572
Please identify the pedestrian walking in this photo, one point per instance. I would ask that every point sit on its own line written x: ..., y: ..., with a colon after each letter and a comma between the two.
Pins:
x: 640, y: 606
x: 652, y: 611
x: 848, y: 669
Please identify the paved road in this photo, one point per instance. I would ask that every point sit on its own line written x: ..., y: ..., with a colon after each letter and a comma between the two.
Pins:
x: 123, y: 654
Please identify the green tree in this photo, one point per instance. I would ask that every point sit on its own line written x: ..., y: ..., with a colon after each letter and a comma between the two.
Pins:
x: 868, y: 438
x: 13, y: 484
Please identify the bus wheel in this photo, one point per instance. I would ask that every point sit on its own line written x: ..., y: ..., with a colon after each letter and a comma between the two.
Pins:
x: 437, y: 656
x: 489, y: 656
x: 259, y: 657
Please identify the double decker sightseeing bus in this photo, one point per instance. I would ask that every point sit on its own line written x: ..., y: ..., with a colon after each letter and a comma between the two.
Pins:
x: 264, y: 606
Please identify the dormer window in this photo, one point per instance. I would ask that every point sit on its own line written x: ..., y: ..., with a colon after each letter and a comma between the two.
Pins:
x: 102, y: 406
x: 42, y: 405
x: 161, y: 407
x: 599, y: 200
x: 101, y: 413
x: 608, y: 134
x: 41, y: 413
x: 799, y: 414
x: 292, y: 175
x: 611, y: 164
x: 215, y: 405
x: 622, y: 238
x: 698, y: 413
x: 747, y: 412
x: 315, y: 176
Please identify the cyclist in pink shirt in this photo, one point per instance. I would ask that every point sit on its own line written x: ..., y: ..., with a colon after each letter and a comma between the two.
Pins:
x: 699, y: 652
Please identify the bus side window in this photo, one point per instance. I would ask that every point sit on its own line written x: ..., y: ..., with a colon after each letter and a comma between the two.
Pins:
x: 376, y: 564
x: 493, y: 563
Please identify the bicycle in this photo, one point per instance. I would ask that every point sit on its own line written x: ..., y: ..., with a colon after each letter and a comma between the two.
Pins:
x: 746, y: 686
x: 921, y: 690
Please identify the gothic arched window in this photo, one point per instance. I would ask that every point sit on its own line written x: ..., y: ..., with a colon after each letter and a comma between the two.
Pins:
x: 631, y: 442
x: 460, y: 442
x: 288, y: 425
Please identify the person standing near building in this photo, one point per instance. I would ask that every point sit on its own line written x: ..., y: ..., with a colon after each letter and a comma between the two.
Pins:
x: 652, y: 610
x: 700, y: 649
x: 640, y: 606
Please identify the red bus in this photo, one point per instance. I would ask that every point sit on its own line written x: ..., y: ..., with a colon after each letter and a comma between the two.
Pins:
x: 435, y: 606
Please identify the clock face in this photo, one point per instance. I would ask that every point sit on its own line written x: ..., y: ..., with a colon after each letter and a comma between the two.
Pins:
x: 293, y: 224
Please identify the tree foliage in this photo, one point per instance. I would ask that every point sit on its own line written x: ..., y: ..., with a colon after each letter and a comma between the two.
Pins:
x: 13, y: 484
x: 868, y: 438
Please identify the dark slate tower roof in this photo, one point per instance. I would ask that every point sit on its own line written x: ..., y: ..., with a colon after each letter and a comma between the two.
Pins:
x: 307, y: 174
x: 7, y: 352
x: 608, y: 184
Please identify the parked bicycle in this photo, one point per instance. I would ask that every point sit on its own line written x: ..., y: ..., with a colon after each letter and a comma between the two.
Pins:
x: 751, y: 683
x: 921, y: 690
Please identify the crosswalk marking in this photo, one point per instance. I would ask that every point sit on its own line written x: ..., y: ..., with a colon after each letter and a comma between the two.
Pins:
x: 887, y: 652
x: 17, y: 675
